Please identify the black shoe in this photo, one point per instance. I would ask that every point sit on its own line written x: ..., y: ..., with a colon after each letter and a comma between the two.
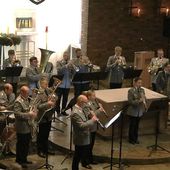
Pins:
x: 41, y: 154
x: 87, y: 166
x: 64, y: 114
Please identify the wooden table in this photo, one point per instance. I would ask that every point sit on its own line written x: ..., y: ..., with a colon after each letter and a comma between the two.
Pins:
x: 113, y: 100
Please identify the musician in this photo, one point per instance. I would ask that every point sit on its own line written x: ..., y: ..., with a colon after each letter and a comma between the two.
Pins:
x: 64, y: 68
x: 32, y: 73
x: 156, y: 65
x: 7, y: 97
x: 11, y: 61
x: 137, y: 106
x: 23, y: 129
x: 81, y: 133
x: 115, y: 64
x: 162, y: 80
x: 44, y: 117
x: 97, y: 108
x: 81, y: 64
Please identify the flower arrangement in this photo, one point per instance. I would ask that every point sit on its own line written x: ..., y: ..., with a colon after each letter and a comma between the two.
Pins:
x: 9, y: 39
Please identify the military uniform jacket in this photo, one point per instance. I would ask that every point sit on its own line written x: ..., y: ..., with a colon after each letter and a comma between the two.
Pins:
x: 81, y: 126
x: 93, y: 106
x: 62, y: 69
x: 156, y: 62
x: 15, y: 79
x: 22, y: 116
x: 116, y: 71
x: 7, y: 101
x: 42, y: 106
x: 32, y: 76
x: 136, y: 108
x: 82, y: 69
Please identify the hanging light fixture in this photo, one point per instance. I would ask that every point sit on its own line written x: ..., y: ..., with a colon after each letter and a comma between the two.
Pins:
x: 37, y: 2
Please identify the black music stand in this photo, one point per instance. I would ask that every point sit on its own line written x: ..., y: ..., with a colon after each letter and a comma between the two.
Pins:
x: 120, y: 115
x: 12, y: 71
x: 131, y: 73
x: 107, y: 125
x: 100, y: 75
x: 157, y: 105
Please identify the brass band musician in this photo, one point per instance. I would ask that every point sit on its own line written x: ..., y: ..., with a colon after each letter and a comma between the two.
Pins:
x: 137, y: 106
x: 12, y: 62
x: 97, y: 109
x: 163, y: 80
x: 81, y: 133
x: 32, y: 73
x: 7, y: 97
x: 115, y: 64
x: 44, y: 117
x: 156, y: 65
x: 81, y: 64
x: 65, y: 68
x: 22, y: 116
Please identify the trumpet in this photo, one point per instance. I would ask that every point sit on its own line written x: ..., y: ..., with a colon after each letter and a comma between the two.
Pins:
x: 72, y: 65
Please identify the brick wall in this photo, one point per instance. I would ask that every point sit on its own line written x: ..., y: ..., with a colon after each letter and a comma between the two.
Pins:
x: 109, y: 24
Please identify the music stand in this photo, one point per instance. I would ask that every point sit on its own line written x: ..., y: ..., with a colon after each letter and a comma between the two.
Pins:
x: 12, y: 71
x: 157, y: 105
x: 107, y: 125
x: 131, y: 73
x: 100, y: 75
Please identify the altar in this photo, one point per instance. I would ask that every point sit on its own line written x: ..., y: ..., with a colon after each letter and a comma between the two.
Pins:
x: 113, y: 100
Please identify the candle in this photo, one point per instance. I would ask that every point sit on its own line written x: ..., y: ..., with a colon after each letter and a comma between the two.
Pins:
x: 15, y: 32
x: 46, y: 29
x: 138, y: 12
x: 167, y: 11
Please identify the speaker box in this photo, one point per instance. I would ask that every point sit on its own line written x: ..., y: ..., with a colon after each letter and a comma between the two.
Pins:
x: 166, y: 27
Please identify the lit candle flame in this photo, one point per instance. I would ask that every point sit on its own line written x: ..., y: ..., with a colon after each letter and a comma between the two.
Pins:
x: 167, y: 11
x: 138, y: 12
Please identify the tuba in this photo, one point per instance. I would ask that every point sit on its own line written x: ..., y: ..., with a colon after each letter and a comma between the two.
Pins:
x: 45, y: 55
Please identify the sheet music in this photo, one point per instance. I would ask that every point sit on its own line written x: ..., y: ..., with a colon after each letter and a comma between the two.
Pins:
x: 113, y: 119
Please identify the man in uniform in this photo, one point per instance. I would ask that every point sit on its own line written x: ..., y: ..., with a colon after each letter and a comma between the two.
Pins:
x: 12, y: 62
x: 81, y: 133
x: 64, y: 68
x: 32, y: 74
x: 156, y: 65
x: 45, y: 108
x: 137, y: 106
x: 22, y: 116
x: 163, y: 80
x: 115, y: 64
